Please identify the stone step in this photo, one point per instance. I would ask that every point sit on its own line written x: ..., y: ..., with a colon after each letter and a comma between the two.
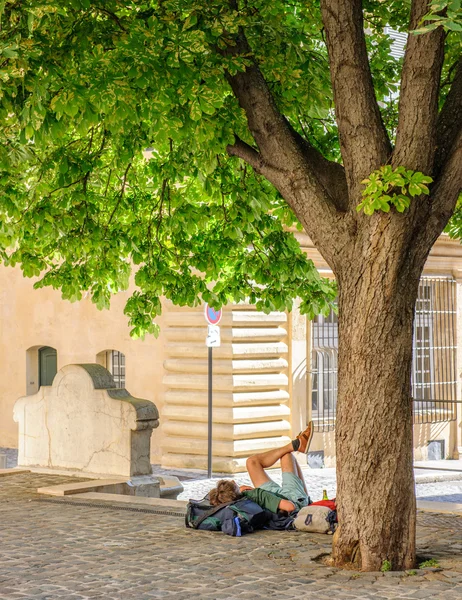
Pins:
x: 274, y: 365
x: 246, y: 414
x: 227, y: 382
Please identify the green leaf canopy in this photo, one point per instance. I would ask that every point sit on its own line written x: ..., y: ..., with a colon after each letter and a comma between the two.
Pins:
x: 115, y: 119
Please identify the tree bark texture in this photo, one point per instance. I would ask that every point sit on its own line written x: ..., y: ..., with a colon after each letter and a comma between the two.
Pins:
x: 374, y: 447
x: 376, y: 259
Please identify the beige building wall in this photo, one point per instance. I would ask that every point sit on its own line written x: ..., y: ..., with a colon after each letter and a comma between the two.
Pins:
x: 262, y: 391
x: 30, y: 319
x: 445, y: 260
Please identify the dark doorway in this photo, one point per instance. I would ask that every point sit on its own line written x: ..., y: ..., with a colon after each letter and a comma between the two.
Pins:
x: 48, y: 365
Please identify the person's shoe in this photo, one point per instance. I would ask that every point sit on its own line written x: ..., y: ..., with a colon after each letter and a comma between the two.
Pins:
x: 304, y: 438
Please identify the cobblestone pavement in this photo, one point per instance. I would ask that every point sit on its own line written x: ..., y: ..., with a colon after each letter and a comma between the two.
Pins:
x: 52, y: 550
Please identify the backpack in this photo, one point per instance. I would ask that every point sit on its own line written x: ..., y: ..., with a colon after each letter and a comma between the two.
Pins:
x: 319, y: 517
x: 233, y: 518
x: 243, y: 516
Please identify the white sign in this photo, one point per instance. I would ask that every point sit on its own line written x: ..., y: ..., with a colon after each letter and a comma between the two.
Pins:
x: 213, y: 339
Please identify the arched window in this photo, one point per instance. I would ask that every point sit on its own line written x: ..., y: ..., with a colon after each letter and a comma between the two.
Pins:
x: 114, y: 361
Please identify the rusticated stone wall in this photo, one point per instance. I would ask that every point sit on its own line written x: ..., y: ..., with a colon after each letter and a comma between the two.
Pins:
x: 251, y: 409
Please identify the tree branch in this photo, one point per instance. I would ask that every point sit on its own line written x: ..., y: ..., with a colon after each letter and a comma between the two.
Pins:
x: 444, y: 194
x: 418, y: 104
x: 364, y: 141
x: 242, y: 150
x: 303, y: 177
x: 449, y: 184
x: 113, y: 16
x: 268, y: 127
x: 121, y: 195
x: 449, y: 122
x: 252, y: 157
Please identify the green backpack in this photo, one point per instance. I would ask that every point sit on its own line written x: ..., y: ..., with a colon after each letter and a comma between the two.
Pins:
x: 233, y: 518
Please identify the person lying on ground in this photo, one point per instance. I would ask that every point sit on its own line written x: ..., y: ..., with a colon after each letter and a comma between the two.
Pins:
x: 291, y: 496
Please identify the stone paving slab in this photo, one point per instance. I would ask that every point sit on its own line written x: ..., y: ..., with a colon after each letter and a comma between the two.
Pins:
x: 51, y: 551
x: 441, y: 465
x: 15, y: 471
x: 137, y: 500
x: 441, y: 507
x: 67, y: 489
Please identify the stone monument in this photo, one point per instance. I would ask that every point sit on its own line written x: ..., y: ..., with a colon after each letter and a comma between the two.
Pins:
x: 83, y: 424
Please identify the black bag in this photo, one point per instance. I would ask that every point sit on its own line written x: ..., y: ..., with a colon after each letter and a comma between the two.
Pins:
x: 233, y: 518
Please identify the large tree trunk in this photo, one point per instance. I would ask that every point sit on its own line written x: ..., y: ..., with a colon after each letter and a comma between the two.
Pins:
x: 377, y: 260
x: 374, y: 446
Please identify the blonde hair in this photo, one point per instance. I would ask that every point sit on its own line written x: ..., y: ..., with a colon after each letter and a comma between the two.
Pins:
x: 224, y: 492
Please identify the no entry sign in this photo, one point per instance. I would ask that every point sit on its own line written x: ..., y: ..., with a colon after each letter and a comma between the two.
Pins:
x: 212, y: 316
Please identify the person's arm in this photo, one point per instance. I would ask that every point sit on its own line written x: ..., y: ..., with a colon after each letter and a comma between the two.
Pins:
x: 268, y: 500
x: 245, y: 488
x: 286, y: 505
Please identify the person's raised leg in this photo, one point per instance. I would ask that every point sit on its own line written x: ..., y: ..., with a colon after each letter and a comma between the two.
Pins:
x: 257, y: 463
x: 289, y: 464
x: 304, y: 438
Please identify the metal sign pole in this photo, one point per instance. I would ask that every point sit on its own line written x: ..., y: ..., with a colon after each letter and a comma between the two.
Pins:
x: 209, y: 451
x: 213, y: 317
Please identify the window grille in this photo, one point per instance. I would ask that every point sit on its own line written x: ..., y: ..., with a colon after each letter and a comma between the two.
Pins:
x: 434, y: 369
x: 324, y: 332
x: 116, y: 362
x: 434, y: 372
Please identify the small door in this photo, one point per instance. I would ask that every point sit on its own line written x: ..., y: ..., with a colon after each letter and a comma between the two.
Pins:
x: 48, y: 365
